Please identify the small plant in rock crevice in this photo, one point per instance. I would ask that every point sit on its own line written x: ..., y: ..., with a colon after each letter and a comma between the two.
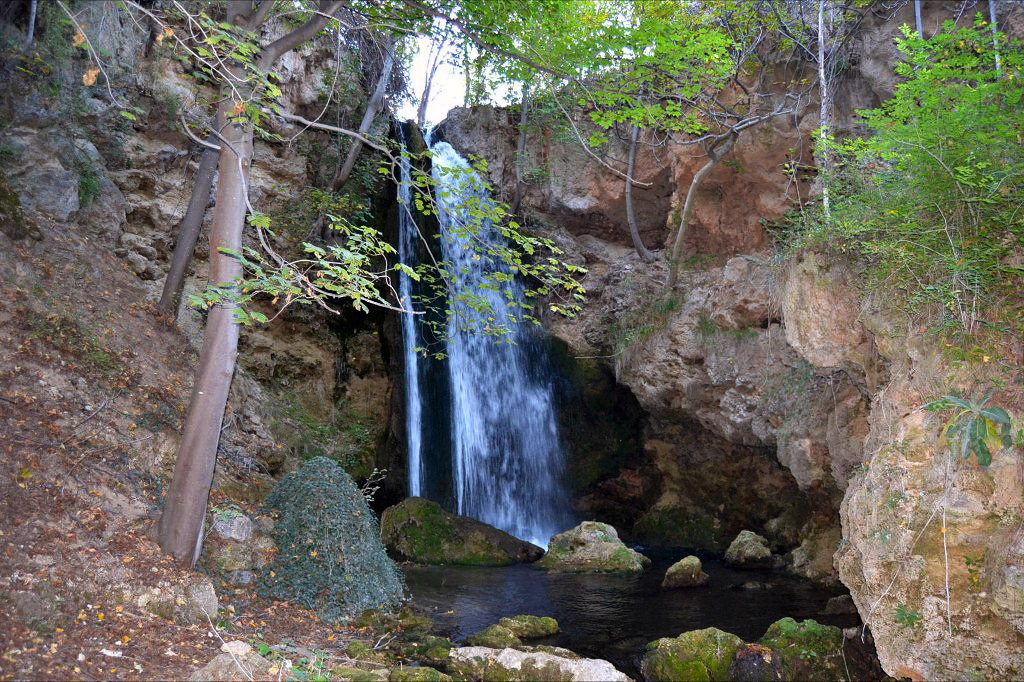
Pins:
x: 907, y: 617
x: 976, y: 428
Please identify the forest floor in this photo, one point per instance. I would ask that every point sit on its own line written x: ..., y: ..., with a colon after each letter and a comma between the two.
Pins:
x: 92, y: 386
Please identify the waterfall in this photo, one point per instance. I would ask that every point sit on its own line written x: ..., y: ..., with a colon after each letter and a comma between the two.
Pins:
x: 407, y: 235
x: 506, y: 453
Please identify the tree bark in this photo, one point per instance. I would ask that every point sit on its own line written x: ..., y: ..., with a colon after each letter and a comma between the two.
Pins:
x: 372, y: 107
x: 31, y: 26
x: 188, y: 233
x: 521, y: 152
x: 645, y: 254
x: 714, y: 156
x: 181, y: 524
x: 823, y: 111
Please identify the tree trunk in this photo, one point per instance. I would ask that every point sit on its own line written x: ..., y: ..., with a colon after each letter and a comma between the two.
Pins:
x: 341, y: 177
x: 714, y: 156
x: 435, y: 61
x: 31, y: 26
x: 992, y: 21
x: 823, y: 112
x: 521, y: 152
x: 181, y: 524
x: 917, y: 19
x: 646, y: 255
x: 188, y: 234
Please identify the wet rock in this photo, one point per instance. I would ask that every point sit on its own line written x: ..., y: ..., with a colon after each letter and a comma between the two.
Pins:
x: 541, y: 665
x: 495, y: 637
x: 687, y: 572
x: 843, y: 604
x: 696, y: 655
x: 749, y: 550
x: 811, y: 651
x: 756, y: 663
x: 421, y: 531
x: 238, y: 662
x: 530, y: 627
x: 591, y: 547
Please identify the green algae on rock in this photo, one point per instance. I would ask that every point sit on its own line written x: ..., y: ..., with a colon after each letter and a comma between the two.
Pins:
x: 749, y: 550
x: 687, y: 572
x: 810, y: 650
x: 421, y: 531
x: 697, y: 656
x: 495, y: 637
x: 530, y: 627
x: 591, y: 547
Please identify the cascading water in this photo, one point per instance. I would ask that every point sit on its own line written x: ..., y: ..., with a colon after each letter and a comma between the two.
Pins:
x: 407, y: 235
x: 507, y: 458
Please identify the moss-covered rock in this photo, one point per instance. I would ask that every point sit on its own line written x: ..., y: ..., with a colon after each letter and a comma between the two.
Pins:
x: 530, y: 627
x: 687, y: 572
x: 421, y: 531
x: 495, y: 637
x: 351, y: 674
x: 13, y: 222
x: 697, y: 656
x: 417, y: 674
x: 809, y: 650
x: 670, y: 526
x: 749, y: 550
x: 591, y: 547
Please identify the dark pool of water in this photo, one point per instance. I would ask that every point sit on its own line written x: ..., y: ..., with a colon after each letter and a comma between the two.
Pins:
x: 614, y: 616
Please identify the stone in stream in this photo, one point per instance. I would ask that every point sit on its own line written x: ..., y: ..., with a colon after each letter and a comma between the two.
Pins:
x: 494, y: 637
x: 591, y: 547
x: 539, y: 663
x: 749, y: 550
x: 421, y: 531
x: 530, y: 627
x: 811, y: 651
x: 696, y: 655
x: 687, y: 572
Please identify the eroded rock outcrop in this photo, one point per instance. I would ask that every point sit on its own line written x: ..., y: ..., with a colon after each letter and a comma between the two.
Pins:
x: 542, y: 663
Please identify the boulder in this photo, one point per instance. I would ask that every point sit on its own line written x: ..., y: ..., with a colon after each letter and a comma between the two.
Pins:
x: 749, y: 550
x: 494, y: 637
x: 756, y: 663
x: 234, y: 548
x: 238, y: 662
x: 421, y: 531
x: 551, y: 663
x: 190, y: 602
x: 530, y: 627
x: 811, y: 651
x: 687, y: 572
x: 696, y: 655
x: 417, y: 674
x: 591, y: 547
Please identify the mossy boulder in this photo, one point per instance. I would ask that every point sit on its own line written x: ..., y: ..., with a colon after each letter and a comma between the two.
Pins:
x: 687, y: 572
x: 530, y: 627
x: 495, y: 637
x: 591, y: 547
x: 749, y: 550
x: 421, y: 531
x: 809, y: 650
x: 417, y: 674
x: 695, y: 656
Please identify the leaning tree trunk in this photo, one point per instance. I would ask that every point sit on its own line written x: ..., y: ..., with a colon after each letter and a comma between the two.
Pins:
x: 341, y: 177
x: 188, y: 234
x: 181, y: 524
x: 31, y: 26
x: 645, y: 254
x: 714, y: 156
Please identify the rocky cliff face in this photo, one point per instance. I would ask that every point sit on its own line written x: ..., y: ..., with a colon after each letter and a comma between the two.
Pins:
x: 776, y: 396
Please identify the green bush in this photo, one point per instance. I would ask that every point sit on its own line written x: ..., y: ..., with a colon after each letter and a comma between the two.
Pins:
x: 929, y: 203
x: 329, y: 554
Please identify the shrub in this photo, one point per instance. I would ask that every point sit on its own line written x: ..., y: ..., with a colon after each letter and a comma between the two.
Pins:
x: 329, y: 554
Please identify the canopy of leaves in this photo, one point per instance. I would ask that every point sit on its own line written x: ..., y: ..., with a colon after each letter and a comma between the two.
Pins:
x: 931, y: 200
